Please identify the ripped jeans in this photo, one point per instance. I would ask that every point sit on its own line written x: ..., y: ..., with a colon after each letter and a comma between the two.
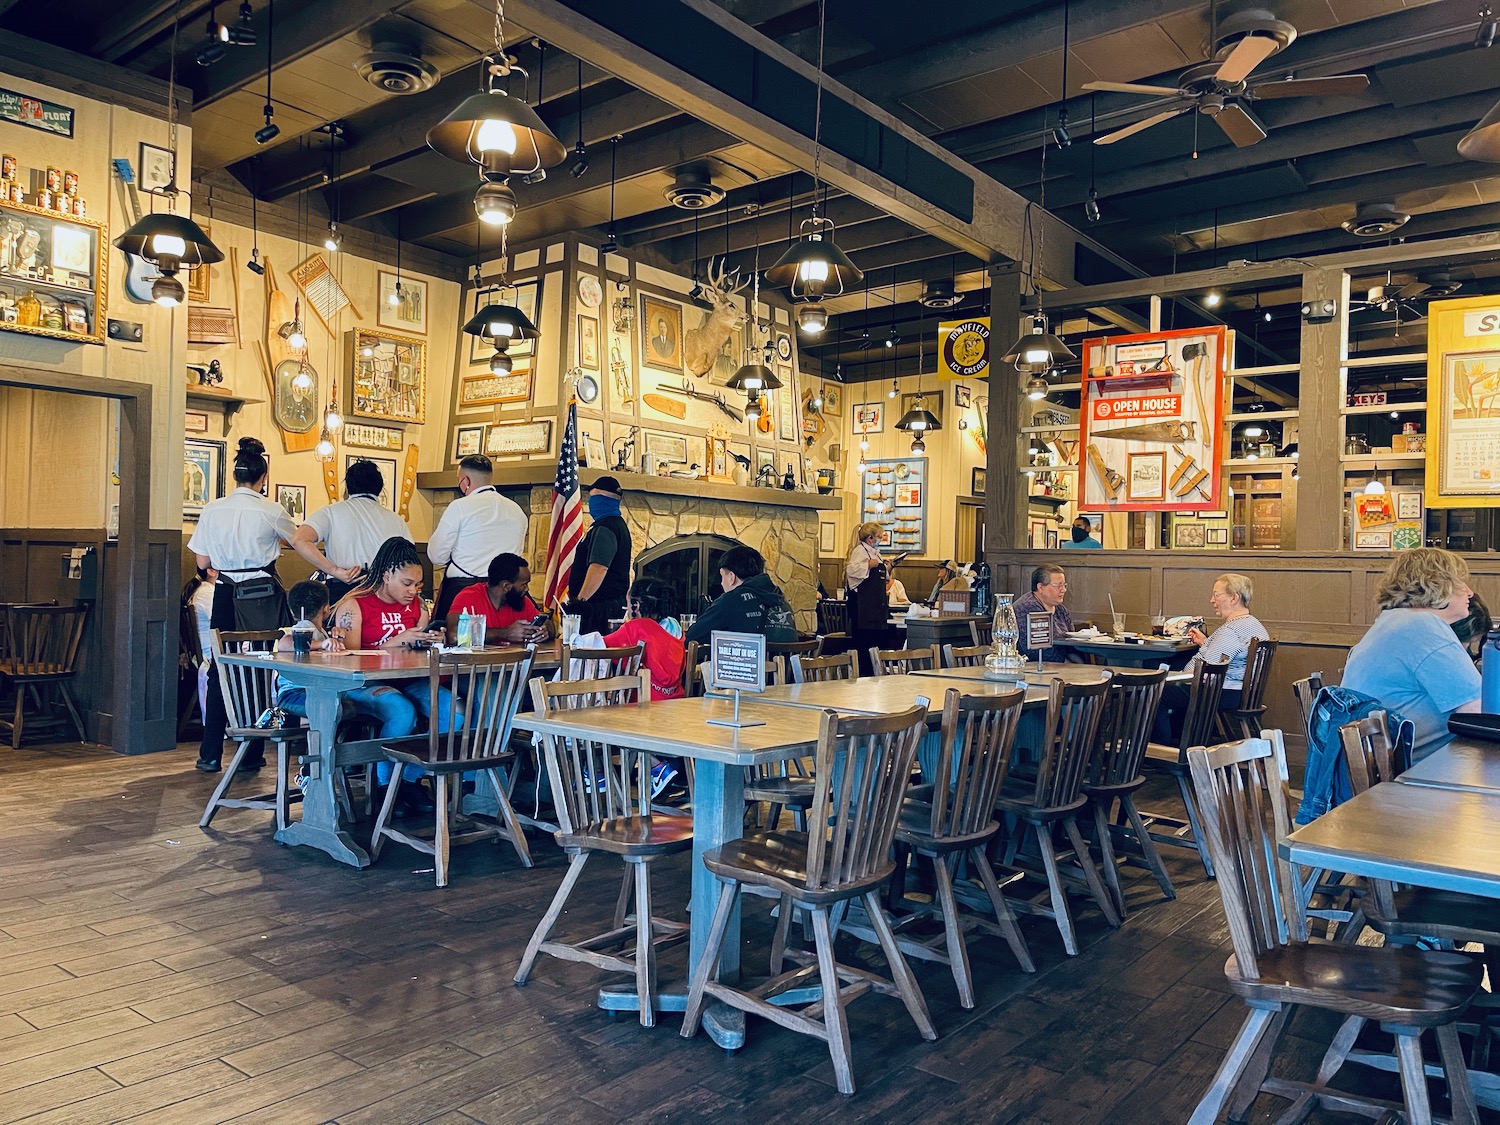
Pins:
x: 396, y: 707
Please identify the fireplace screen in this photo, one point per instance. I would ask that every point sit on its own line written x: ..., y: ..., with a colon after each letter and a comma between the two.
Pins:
x: 690, y: 565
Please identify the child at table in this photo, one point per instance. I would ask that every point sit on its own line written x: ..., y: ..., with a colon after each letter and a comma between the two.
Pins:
x: 308, y: 602
x: 649, y: 620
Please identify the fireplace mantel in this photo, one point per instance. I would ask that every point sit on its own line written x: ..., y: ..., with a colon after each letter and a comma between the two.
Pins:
x: 541, y: 472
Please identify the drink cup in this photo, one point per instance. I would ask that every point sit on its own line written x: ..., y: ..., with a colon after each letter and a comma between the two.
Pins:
x: 1119, y: 624
x: 570, y: 626
x: 301, y: 642
x: 1158, y: 626
x: 477, y: 626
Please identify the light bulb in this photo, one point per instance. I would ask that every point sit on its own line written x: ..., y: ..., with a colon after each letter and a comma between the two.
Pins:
x: 1254, y: 429
x: 813, y: 269
x: 1212, y: 299
x: 501, y: 328
x: 500, y: 364
x: 167, y: 292
x: 395, y: 297
x: 918, y: 445
x: 324, y: 448
x: 1395, y: 414
x: 303, y: 380
x: 333, y: 239
x: 1035, y: 355
x: 298, y: 339
x: 892, y: 392
x: 861, y: 467
x: 1375, y: 487
x: 752, y: 409
x: 367, y: 351
x: 864, y: 444
x: 167, y: 246
x: 812, y: 319
x: 333, y: 419
x: 495, y: 203
x: 1036, y: 388
x: 496, y: 136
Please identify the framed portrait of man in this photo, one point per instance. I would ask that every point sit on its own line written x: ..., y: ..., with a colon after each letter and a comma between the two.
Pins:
x: 661, y: 334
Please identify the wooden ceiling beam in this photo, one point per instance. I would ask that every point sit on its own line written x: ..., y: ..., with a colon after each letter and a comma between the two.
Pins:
x: 730, y: 76
x: 771, y: 230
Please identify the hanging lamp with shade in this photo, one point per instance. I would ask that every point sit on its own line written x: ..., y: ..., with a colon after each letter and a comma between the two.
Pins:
x: 498, y: 132
x: 1038, y: 350
x: 500, y: 324
x: 755, y: 376
x: 169, y: 241
x: 813, y: 267
x: 919, y: 421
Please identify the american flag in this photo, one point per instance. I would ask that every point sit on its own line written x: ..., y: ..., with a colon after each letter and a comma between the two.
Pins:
x: 567, y: 515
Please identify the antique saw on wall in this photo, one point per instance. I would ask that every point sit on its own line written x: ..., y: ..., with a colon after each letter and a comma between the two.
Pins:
x: 1174, y: 432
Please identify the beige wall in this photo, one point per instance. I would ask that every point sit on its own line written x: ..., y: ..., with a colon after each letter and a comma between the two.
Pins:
x: 60, y: 491
x: 328, y: 351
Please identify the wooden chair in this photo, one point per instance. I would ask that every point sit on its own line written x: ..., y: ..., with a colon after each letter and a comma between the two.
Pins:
x: 787, y: 650
x: 1054, y: 795
x: 601, y: 663
x: 487, y: 689
x: 899, y: 661
x: 833, y: 617
x: 603, y: 794
x: 965, y: 656
x: 41, y: 651
x: 1305, y: 692
x: 775, y: 674
x: 982, y: 632
x: 1116, y: 774
x: 953, y: 819
x: 1242, y: 796
x: 863, y: 765
x: 1197, y: 730
x: 250, y: 693
x: 1244, y: 721
x: 1410, y: 913
x: 818, y: 669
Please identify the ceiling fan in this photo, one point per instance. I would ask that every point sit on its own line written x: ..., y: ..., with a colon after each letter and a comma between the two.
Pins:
x: 1396, y: 299
x: 1218, y: 89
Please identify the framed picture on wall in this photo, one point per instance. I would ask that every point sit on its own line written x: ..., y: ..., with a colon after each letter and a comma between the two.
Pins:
x: 932, y: 402
x: 588, y: 342
x: 406, y: 310
x: 661, y: 333
x: 156, y: 168
x: 976, y: 481
x: 869, y: 418
x: 1148, y: 477
x: 962, y: 398
x: 202, y: 475
x: 467, y: 441
x: 524, y: 295
x: 293, y: 500
x: 389, y: 377
x: 827, y: 544
x: 1189, y: 534
x: 1218, y: 536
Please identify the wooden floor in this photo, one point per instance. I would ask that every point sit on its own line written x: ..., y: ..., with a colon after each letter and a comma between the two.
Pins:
x: 152, y: 972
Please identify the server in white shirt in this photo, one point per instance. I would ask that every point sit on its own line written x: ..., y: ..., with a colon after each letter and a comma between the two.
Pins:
x: 341, y: 539
x: 240, y: 536
x: 475, y: 528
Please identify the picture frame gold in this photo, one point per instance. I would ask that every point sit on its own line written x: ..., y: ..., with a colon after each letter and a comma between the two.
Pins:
x: 493, y: 390
x: 390, y: 383
x: 29, y: 238
x: 661, y: 333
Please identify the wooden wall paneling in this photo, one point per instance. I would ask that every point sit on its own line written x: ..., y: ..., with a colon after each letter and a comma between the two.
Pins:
x: 1320, y: 403
x: 1005, y: 489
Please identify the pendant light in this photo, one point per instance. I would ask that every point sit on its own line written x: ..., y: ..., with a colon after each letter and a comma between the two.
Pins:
x: 755, y: 375
x: 395, y: 297
x: 813, y: 267
x: 1375, y: 486
x: 270, y: 130
x: 919, y: 421
x: 170, y: 242
x: 1037, y: 350
x: 499, y: 324
x: 498, y: 132
x: 1483, y: 141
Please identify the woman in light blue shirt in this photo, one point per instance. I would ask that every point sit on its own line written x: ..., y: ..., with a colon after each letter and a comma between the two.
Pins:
x: 1411, y: 660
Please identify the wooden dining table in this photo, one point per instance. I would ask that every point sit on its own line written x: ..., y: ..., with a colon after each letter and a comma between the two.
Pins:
x: 1067, y: 672
x: 1463, y: 764
x: 327, y: 676
x: 1137, y: 654
x: 680, y: 728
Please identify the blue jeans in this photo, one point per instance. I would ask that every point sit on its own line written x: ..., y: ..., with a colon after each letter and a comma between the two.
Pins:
x: 396, y: 708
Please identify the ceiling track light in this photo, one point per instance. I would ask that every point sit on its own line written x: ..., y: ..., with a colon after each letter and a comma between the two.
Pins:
x: 270, y: 130
x: 333, y: 241
x: 1091, y: 207
x: 1484, y: 34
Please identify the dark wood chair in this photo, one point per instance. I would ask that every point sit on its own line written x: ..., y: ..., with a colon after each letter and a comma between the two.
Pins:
x: 1406, y: 914
x: 1198, y: 724
x: 833, y: 617
x: 1244, y: 721
x: 41, y: 651
x: 819, y: 669
x: 1242, y: 796
x: 1115, y: 775
x: 601, y: 663
x: 953, y: 819
x: 775, y: 674
x: 249, y: 694
x: 965, y: 656
x: 1305, y: 692
x: 863, y: 766
x: 487, y: 688
x: 982, y: 632
x: 789, y: 649
x: 603, y: 799
x: 1054, y: 796
x: 899, y: 661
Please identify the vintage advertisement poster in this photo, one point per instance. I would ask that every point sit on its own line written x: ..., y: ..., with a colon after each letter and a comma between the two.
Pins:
x: 1463, y: 403
x: 1152, y: 421
x: 964, y: 348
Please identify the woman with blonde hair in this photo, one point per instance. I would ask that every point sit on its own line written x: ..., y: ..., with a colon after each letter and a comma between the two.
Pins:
x: 1410, y: 659
x: 865, y: 573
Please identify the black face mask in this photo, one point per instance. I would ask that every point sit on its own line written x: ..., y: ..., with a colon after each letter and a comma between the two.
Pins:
x: 514, y: 599
x: 1080, y: 534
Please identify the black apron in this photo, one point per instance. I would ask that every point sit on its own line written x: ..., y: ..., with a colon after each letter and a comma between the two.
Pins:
x: 870, y: 605
x: 250, y: 600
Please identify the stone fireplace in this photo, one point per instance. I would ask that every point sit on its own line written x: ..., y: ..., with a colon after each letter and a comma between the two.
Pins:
x: 690, y: 565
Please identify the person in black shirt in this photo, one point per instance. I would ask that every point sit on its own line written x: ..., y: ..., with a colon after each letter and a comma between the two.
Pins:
x: 600, y: 578
x: 751, y: 602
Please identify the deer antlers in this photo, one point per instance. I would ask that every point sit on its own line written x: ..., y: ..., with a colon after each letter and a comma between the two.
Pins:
x: 726, y: 279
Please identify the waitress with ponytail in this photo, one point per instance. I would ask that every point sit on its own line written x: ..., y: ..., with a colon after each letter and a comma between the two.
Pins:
x: 240, y: 536
x: 600, y: 577
x: 869, y: 602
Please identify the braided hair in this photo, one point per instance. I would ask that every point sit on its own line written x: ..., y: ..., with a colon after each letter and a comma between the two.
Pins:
x: 394, y: 554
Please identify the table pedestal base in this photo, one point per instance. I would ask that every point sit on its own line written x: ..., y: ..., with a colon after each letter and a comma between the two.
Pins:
x: 339, y: 844
x: 721, y: 1023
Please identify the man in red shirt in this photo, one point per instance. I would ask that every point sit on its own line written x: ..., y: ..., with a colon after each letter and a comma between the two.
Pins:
x: 504, y: 603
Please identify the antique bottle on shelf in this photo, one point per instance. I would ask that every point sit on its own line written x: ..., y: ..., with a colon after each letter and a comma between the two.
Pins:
x: 1006, y: 661
x: 29, y: 311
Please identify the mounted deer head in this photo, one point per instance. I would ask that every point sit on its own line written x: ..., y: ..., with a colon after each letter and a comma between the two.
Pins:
x: 702, y: 345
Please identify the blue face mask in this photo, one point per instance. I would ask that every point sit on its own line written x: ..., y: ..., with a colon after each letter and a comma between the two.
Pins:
x: 602, y: 506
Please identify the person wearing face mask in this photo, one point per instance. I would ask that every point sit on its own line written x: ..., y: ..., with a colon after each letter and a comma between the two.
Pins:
x: 504, y: 602
x: 475, y: 528
x: 600, y: 578
x: 1082, y: 537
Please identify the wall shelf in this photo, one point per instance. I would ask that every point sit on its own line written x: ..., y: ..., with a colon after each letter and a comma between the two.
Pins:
x: 230, y: 404
x: 1369, y: 460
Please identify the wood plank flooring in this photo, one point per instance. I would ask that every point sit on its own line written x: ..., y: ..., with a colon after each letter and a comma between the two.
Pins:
x: 154, y: 973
